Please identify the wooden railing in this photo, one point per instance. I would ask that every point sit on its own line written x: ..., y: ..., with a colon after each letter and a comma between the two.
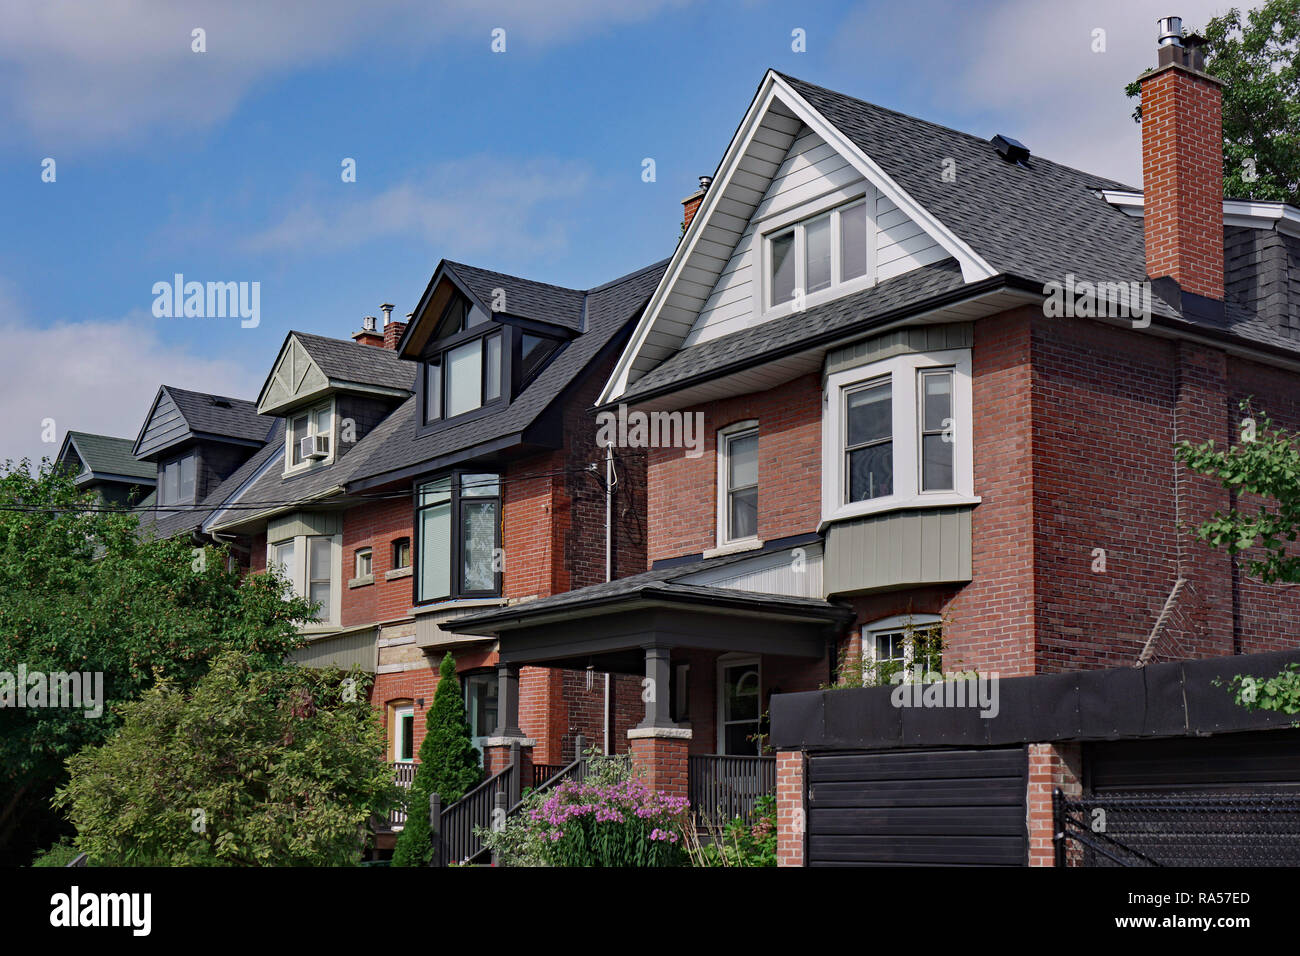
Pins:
x: 543, y: 772
x: 722, y: 788
x: 456, y: 841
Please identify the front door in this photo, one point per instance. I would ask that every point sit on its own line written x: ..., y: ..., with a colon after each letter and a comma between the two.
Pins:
x: 739, y: 706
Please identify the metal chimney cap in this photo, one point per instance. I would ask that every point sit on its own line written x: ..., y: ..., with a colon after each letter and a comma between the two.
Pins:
x: 368, y: 324
x: 1171, y: 31
x: 706, y: 182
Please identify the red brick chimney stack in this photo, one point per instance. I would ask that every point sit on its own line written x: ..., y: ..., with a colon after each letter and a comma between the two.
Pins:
x: 393, y: 330
x: 1182, y: 166
x: 369, y: 334
x: 692, y: 202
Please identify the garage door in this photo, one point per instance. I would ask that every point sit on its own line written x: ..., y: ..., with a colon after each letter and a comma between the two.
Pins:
x: 931, y: 807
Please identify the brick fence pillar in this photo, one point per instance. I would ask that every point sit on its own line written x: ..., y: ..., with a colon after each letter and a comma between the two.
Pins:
x: 1050, y: 766
x: 498, y: 752
x: 791, y: 817
x: 659, y: 756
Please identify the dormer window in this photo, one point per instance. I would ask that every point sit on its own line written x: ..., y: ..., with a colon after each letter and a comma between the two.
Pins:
x: 465, y: 366
x: 176, y: 480
x: 309, y: 438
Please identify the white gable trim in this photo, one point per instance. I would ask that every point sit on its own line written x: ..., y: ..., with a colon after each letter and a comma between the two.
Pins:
x: 774, y: 89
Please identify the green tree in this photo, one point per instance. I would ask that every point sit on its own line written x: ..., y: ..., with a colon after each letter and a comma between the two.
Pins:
x: 1263, y: 467
x: 82, y: 591
x: 250, y: 767
x: 449, y: 766
x: 1257, y: 55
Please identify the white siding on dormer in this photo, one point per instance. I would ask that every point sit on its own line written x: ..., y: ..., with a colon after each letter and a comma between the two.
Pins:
x: 809, y: 170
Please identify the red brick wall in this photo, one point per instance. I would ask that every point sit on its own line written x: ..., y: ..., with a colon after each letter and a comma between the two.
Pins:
x: 1050, y: 766
x: 663, y: 763
x: 1182, y: 176
x: 682, y: 491
x: 376, y: 525
x: 791, y: 817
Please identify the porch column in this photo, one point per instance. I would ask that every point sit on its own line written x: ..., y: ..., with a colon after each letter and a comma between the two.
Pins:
x: 509, y: 745
x: 659, y: 748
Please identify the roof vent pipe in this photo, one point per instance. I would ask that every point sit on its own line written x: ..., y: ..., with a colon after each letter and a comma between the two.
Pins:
x: 1171, y: 31
x: 387, y: 309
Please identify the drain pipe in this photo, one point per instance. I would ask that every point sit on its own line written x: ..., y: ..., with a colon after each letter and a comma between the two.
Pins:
x: 609, y: 562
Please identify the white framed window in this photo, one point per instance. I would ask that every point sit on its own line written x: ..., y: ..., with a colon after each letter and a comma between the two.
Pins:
x: 897, y: 434
x: 900, y: 643
x: 313, y: 565
x: 403, y: 724
x: 309, y: 438
x: 812, y: 255
x: 363, y: 564
x: 738, y: 483
x: 740, y: 704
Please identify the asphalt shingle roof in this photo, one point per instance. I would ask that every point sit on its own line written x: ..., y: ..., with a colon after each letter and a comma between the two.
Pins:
x: 220, y: 414
x: 609, y: 308
x: 659, y: 582
x: 540, y: 301
x: 347, y: 361
x: 105, y: 455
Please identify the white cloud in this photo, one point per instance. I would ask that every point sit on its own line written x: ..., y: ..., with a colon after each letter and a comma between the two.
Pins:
x: 95, y: 376
x: 466, y: 206
x: 113, y: 69
x: 1030, y: 67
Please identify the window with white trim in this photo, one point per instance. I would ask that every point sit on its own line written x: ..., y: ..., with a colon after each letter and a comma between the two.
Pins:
x: 900, y: 644
x: 818, y: 253
x: 738, y: 483
x: 403, y: 724
x: 364, y: 566
x: 896, y: 434
x: 312, y: 565
x: 309, y: 437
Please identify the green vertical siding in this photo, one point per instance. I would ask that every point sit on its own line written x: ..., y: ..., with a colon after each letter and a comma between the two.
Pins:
x: 345, y: 651
x: 919, y: 338
x: 897, y: 549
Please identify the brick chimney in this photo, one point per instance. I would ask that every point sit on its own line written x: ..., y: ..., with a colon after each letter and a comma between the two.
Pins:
x: 1182, y: 166
x: 369, y: 334
x: 692, y: 202
x: 393, y: 330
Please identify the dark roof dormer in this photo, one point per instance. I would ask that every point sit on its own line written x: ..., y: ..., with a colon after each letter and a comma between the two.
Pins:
x: 105, y: 464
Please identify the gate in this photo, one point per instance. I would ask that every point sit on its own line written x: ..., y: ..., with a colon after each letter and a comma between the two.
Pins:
x: 1248, y: 828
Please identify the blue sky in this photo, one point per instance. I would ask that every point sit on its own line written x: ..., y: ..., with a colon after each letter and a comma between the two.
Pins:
x: 225, y: 165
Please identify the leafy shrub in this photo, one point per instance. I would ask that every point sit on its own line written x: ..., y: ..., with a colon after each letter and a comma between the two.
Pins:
x: 738, y: 843
x: 60, y: 854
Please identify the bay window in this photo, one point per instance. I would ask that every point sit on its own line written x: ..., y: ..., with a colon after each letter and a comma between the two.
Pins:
x: 896, y: 434
x: 458, y: 521
x: 313, y: 566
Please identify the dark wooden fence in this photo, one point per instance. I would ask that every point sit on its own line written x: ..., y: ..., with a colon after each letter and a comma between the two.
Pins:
x: 722, y: 788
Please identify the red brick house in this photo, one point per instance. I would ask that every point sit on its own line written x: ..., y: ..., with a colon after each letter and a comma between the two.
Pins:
x: 868, y: 416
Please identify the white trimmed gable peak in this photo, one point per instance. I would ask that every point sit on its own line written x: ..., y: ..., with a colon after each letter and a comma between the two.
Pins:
x: 785, y: 162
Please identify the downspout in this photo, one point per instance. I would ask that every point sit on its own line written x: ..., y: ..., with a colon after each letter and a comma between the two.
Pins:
x: 609, y: 562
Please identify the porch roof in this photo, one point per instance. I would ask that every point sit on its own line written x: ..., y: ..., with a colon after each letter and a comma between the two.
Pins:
x: 622, y: 617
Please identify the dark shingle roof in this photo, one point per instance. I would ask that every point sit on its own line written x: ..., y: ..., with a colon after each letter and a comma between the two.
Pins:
x: 850, y: 312
x: 663, y: 583
x: 104, y: 455
x: 220, y: 415
x: 609, y: 309
x: 1039, y: 222
x: 347, y: 361
x: 540, y: 301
